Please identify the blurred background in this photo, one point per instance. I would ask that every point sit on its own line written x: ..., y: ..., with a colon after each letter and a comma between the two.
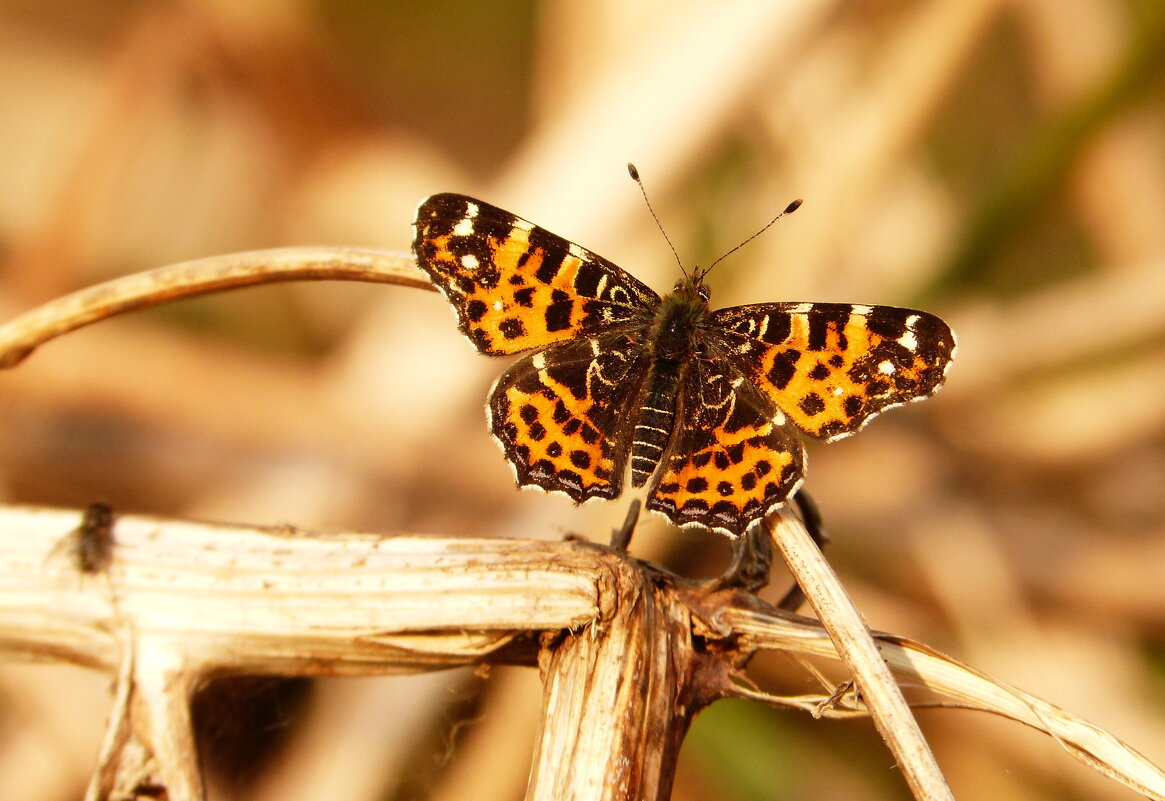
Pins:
x: 998, y: 162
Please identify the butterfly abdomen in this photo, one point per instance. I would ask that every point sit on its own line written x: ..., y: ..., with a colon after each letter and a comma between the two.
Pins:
x: 657, y: 415
x: 672, y: 342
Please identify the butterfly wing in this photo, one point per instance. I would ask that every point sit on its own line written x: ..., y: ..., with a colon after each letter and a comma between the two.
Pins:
x: 733, y: 456
x: 516, y: 286
x: 563, y: 416
x: 832, y: 366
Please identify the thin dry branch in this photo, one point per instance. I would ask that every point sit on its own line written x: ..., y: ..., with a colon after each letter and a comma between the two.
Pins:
x: 954, y: 683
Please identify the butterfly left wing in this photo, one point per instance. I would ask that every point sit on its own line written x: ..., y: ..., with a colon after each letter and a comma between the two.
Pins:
x: 832, y: 366
x: 733, y: 456
x: 516, y: 286
x: 564, y: 418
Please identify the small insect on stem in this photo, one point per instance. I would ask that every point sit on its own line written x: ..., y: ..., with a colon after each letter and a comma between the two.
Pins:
x: 93, y: 539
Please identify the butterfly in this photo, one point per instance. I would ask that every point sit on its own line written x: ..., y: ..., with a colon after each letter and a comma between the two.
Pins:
x: 705, y: 407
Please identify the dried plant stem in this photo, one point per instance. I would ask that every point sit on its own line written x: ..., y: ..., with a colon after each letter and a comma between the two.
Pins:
x: 615, y: 638
x: 20, y: 336
x: 857, y: 648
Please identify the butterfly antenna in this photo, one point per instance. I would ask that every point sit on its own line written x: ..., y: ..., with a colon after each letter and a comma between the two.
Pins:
x: 635, y: 177
x: 792, y: 207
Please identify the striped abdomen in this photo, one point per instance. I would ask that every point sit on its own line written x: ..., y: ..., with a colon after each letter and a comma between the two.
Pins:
x: 653, y: 429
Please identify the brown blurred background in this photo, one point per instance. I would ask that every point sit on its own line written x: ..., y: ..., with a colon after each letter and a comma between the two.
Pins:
x: 998, y: 162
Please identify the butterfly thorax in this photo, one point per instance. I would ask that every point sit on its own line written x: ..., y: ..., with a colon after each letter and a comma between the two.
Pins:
x: 676, y: 327
x: 675, y: 337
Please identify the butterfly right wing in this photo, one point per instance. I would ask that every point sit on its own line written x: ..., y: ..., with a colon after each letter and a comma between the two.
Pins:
x: 516, y: 286
x: 733, y: 457
x: 831, y: 367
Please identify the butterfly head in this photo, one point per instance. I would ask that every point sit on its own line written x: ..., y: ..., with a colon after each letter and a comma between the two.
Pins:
x: 692, y: 285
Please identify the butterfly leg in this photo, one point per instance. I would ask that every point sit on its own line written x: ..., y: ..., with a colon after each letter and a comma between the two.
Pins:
x: 621, y: 537
x: 752, y: 559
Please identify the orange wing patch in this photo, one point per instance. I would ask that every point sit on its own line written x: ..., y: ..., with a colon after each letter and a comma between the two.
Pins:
x: 831, y: 367
x: 516, y: 314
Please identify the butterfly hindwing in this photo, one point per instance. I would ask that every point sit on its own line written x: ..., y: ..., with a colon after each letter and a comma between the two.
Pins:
x: 832, y: 366
x: 516, y: 286
x: 733, y: 455
x: 563, y: 415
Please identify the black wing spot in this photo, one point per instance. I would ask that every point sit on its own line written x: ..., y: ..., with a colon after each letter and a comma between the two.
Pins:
x: 812, y: 404
x: 475, y: 310
x: 558, y: 315
x: 697, y: 485
x: 736, y: 452
x: 784, y: 368
x: 512, y: 328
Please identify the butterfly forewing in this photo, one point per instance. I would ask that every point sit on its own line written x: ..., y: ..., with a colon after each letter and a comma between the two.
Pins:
x: 832, y: 366
x: 516, y: 286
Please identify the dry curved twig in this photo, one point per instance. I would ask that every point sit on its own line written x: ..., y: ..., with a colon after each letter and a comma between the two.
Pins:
x: 20, y: 336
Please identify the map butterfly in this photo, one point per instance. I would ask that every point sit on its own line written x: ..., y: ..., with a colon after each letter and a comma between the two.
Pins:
x: 705, y: 406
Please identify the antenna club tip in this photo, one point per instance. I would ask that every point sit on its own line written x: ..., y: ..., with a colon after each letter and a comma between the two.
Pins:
x: 792, y: 207
x: 634, y: 173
